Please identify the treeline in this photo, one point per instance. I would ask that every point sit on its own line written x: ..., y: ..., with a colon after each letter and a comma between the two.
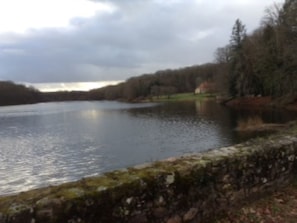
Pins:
x: 165, y: 82
x: 64, y: 96
x: 14, y: 94
x: 264, y: 62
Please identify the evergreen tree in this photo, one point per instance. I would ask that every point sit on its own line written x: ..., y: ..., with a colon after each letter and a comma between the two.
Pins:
x: 238, y: 36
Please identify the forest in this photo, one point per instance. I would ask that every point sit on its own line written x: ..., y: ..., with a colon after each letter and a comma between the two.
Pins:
x: 261, y: 63
x: 264, y: 62
x: 165, y: 82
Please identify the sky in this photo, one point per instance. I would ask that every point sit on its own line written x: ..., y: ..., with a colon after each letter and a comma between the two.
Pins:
x: 84, y: 44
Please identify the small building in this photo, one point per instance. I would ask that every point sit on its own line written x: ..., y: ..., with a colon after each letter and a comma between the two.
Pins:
x: 206, y: 87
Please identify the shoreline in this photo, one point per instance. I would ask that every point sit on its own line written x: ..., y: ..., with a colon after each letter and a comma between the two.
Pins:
x: 288, y: 102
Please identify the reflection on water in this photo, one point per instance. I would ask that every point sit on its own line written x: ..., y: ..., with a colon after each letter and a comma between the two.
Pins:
x: 47, y: 144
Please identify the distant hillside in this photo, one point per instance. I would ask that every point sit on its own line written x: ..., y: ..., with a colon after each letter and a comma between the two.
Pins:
x: 164, y: 82
x: 64, y: 96
x: 13, y: 94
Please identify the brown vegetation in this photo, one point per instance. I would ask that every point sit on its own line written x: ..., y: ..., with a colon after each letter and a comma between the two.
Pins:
x: 279, y: 207
x: 256, y: 124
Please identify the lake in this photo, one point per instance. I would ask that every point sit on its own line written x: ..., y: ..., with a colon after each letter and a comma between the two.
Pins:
x: 51, y: 143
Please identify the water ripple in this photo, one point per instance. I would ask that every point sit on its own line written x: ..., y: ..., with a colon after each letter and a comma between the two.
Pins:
x: 48, y: 144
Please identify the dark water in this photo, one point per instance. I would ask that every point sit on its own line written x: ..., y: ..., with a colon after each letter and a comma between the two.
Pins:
x: 47, y: 144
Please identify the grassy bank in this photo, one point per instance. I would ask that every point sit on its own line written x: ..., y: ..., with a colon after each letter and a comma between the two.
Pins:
x: 181, y: 97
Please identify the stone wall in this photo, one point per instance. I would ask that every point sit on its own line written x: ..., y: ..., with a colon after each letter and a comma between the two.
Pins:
x: 194, y: 188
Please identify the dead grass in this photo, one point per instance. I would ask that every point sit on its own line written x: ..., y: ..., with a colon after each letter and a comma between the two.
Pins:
x: 249, y: 123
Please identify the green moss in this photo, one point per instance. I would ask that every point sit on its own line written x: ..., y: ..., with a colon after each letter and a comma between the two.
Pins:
x: 73, y: 193
x: 15, y: 208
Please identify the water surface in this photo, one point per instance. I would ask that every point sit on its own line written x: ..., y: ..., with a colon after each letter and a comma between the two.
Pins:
x: 50, y: 143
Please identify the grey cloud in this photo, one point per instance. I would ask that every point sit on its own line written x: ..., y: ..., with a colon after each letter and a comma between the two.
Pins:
x: 140, y: 36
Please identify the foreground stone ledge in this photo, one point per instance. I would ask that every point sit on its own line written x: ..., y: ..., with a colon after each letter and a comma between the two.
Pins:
x: 193, y: 188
